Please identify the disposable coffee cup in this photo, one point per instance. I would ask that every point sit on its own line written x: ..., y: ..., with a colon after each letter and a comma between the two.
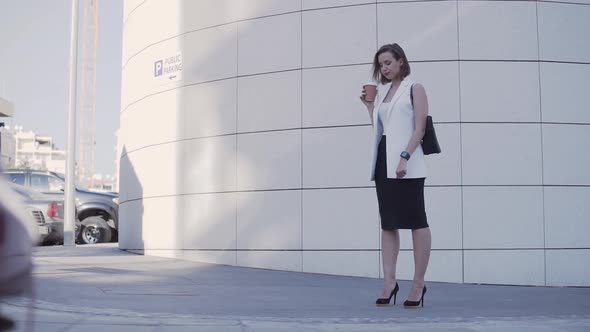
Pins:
x: 370, y: 91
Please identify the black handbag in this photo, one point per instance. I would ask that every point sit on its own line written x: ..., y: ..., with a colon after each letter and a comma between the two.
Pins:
x: 429, y: 141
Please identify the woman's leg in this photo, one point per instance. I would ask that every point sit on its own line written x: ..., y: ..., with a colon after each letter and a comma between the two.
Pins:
x: 389, y: 253
x: 422, y: 243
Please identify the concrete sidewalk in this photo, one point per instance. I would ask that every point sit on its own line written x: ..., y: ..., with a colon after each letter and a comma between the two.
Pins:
x: 99, y: 288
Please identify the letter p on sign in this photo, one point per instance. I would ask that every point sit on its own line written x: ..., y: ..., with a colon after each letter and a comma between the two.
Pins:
x: 158, y: 68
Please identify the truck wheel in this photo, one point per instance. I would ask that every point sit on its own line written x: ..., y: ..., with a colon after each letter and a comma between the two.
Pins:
x: 95, y: 230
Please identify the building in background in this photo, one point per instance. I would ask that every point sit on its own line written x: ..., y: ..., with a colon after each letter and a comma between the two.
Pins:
x: 26, y: 149
x: 7, y: 148
x: 7, y: 140
x: 103, y: 183
x: 38, y: 152
x: 245, y: 142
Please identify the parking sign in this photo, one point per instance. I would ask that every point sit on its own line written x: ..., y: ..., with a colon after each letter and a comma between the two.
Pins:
x: 158, y: 67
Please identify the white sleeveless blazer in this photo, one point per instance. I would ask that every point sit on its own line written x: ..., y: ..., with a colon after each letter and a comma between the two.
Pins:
x: 398, y: 124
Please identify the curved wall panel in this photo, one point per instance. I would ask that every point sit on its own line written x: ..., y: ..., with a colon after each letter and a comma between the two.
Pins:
x: 257, y: 154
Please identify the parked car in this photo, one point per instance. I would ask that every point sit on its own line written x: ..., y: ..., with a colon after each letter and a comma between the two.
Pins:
x: 97, y: 212
x: 47, y: 212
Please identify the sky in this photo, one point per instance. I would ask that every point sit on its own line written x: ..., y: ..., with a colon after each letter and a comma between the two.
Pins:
x: 34, y: 70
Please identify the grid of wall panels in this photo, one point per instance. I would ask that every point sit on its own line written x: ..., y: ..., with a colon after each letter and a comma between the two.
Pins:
x: 260, y: 154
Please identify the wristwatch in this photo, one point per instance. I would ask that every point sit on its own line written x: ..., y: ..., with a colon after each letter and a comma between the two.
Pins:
x: 405, y: 155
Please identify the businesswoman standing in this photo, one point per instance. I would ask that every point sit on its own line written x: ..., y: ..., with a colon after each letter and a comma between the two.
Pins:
x: 398, y: 115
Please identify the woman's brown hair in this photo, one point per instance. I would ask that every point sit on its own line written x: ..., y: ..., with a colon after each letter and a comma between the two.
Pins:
x: 398, y: 54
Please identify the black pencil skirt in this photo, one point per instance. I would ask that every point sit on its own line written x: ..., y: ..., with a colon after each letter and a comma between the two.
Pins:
x: 401, y: 201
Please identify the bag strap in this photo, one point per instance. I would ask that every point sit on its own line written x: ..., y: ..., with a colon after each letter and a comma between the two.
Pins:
x: 412, y: 94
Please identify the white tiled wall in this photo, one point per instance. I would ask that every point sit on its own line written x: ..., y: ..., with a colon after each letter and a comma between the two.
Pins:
x: 443, y: 210
x: 331, y: 96
x: 351, y: 263
x: 204, y: 64
x: 564, y: 92
x: 148, y: 172
x: 503, y: 217
x: 563, y: 32
x: 269, y: 220
x: 149, y: 233
x: 436, y: 39
x: 349, y: 38
x: 521, y: 267
x: 139, y: 31
x: 269, y: 102
x: 203, y: 14
x: 586, y: 2
x: 379, y: 1
x: 314, y: 4
x: 207, y: 109
x: 566, y: 140
x: 129, y: 6
x: 209, y: 221
x: 259, y: 8
x: 155, y: 128
x: 337, y: 157
x: 501, y: 154
x: 567, y: 213
x: 441, y: 82
x: 500, y: 92
x: 274, y: 260
x: 207, y: 165
x: 225, y: 257
x: 199, y: 64
x: 264, y: 47
x: 138, y: 81
x: 445, y: 168
x: 132, y: 213
x: 270, y: 160
x: 339, y: 219
x: 443, y: 266
x: 484, y: 27
x: 260, y: 155
x: 568, y: 267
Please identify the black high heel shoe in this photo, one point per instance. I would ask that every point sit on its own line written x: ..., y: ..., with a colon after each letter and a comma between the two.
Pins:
x: 384, y: 300
x: 414, y: 304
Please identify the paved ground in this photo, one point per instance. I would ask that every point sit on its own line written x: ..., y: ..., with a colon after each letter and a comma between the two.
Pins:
x: 99, y: 288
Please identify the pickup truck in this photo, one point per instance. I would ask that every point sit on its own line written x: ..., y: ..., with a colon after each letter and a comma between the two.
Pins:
x: 98, y: 212
x: 47, y: 213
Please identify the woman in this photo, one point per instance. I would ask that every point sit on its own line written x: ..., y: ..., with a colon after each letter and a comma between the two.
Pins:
x: 399, y: 116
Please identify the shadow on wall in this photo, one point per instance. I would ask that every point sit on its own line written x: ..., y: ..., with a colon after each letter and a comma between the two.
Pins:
x: 208, y: 204
x: 206, y: 126
x: 131, y: 210
x: 200, y: 211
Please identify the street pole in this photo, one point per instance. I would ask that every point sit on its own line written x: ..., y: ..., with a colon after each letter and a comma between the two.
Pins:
x: 70, y: 190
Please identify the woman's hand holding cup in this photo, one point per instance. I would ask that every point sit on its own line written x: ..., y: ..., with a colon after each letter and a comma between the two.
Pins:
x: 368, y: 95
